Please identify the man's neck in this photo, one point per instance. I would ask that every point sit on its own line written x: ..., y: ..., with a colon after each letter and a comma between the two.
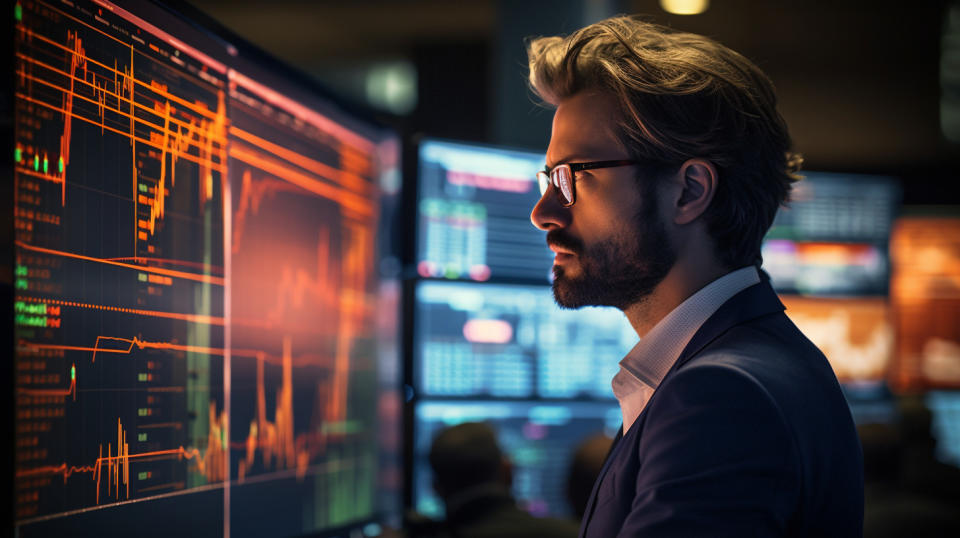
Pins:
x: 692, y: 272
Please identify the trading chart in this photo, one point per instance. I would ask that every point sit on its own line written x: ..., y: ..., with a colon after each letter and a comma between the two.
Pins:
x: 120, y: 154
x: 196, y: 301
x: 303, y: 308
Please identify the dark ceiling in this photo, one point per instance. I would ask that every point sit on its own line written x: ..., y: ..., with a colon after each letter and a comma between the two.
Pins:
x: 859, y: 81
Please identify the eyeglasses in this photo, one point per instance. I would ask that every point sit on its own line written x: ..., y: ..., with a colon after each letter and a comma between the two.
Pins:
x: 563, y: 178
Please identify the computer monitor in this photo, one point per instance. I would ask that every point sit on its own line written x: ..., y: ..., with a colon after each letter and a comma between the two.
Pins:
x: 827, y: 254
x: 926, y: 295
x: 477, y: 340
x: 203, y: 345
x: 489, y: 342
x: 508, y: 355
x: 855, y: 333
x: 832, y: 238
x: 539, y: 438
x: 473, y: 210
x: 944, y: 406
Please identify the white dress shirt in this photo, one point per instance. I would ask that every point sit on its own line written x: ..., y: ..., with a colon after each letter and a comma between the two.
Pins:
x: 645, y: 366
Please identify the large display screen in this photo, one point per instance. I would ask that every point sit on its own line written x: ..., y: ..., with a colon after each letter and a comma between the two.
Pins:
x: 473, y: 215
x: 539, y: 439
x: 926, y: 296
x: 855, y: 333
x: 944, y: 409
x: 513, y: 341
x: 202, y: 343
x: 832, y: 239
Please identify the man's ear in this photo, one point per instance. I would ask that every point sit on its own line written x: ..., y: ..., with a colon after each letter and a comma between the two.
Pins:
x: 698, y: 179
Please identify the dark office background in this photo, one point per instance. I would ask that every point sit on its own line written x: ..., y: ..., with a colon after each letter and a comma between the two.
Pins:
x: 865, y: 86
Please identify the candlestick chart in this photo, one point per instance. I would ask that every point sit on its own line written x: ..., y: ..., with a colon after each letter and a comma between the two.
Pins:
x: 196, y: 313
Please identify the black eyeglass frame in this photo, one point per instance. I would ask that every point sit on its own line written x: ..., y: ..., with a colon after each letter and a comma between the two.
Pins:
x: 548, y: 176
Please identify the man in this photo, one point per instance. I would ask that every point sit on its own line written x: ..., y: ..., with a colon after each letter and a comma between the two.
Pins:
x: 473, y: 478
x: 666, y: 165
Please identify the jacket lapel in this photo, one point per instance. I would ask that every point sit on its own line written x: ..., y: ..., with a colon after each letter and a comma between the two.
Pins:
x: 753, y: 302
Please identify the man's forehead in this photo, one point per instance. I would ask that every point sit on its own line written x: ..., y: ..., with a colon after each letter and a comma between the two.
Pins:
x: 584, y: 127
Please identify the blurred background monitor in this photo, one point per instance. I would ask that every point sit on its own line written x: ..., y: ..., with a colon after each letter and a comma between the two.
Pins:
x: 832, y: 238
x: 827, y: 254
x: 856, y: 333
x: 473, y: 211
x: 513, y: 341
x: 925, y: 292
x: 944, y: 407
x: 489, y: 342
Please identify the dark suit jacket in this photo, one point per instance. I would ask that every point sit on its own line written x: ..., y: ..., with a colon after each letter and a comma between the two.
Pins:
x: 747, y: 435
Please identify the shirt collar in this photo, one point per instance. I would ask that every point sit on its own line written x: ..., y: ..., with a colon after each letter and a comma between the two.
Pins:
x: 653, y: 356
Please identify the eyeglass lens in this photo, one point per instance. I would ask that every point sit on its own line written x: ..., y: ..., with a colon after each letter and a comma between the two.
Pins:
x: 561, y: 177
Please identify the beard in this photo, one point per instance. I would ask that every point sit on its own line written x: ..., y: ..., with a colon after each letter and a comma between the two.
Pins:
x: 620, y: 271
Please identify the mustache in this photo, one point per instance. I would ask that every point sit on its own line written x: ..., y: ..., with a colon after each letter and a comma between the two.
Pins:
x: 558, y: 239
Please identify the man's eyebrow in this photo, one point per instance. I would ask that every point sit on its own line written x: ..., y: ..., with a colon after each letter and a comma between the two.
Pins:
x: 576, y: 157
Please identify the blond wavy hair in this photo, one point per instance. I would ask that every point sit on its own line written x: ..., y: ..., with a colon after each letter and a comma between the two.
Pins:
x: 682, y: 96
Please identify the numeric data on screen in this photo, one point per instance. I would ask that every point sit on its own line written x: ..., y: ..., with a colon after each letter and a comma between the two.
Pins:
x: 514, y: 341
x: 473, y: 213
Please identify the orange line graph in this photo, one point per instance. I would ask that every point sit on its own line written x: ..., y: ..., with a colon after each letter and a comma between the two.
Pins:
x: 69, y: 391
x: 143, y: 344
x: 209, y: 279
x: 196, y: 108
x: 350, y: 200
x: 177, y: 146
x: 347, y: 179
x: 275, y: 439
x: 76, y: 60
x: 252, y: 194
x: 218, y: 168
x: 356, y: 265
x: 169, y: 261
x: 212, y: 462
x: 297, y: 286
x: 176, y: 137
x: 175, y: 425
x: 193, y: 318
x: 122, y: 82
x: 47, y: 177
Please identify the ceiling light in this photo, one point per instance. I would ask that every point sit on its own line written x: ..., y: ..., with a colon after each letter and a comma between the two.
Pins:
x: 685, y: 7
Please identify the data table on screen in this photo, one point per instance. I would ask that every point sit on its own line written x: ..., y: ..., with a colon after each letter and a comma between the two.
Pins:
x: 513, y: 341
x: 473, y: 213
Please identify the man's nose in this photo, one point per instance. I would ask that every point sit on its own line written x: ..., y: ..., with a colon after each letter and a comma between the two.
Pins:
x: 549, y: 213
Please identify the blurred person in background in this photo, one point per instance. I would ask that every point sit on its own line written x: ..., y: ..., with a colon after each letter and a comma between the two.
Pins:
x: 473, y: 478
x: 584, y: 469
